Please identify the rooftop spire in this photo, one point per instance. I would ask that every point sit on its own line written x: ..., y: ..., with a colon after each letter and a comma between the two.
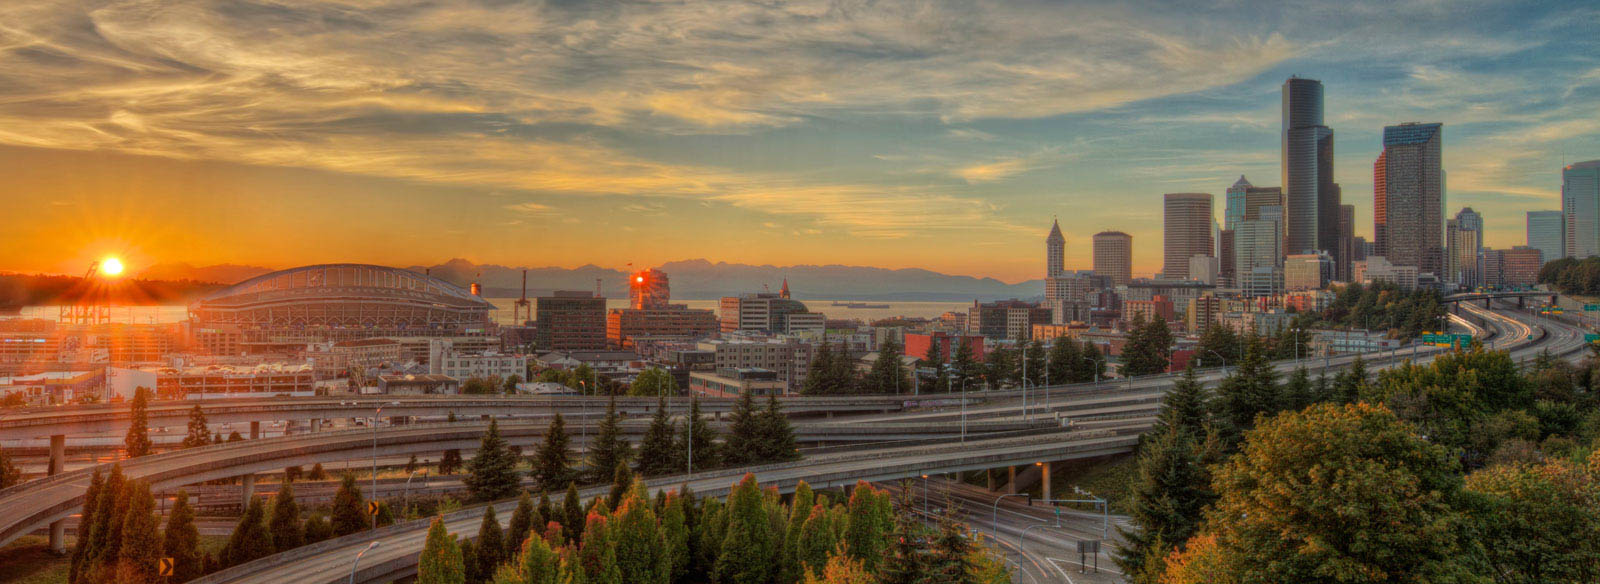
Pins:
x: 784, y: 291
x: 1055, y: 231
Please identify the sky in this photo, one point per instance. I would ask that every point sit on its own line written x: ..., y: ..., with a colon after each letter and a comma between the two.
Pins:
x: 931, y: 134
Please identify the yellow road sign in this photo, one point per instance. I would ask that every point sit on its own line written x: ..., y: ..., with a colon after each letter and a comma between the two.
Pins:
x: 372, y: 507
x: 164, y: 567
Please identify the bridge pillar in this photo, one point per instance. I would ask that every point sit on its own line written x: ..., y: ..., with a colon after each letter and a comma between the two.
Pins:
x: 1044, y: 479
x: 247, y: 485
x: 1487, y: 302
x: 255, y: 430
x: 1522, y: 302
x: 1011, y: 480
x: 316, y: 424
x: 58, y: 462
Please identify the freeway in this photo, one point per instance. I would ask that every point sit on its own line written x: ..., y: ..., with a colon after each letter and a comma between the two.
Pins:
x: 396, y: 557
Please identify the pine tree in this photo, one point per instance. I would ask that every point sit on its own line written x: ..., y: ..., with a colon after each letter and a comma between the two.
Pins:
x: 441, y: 561
x: 552, y: 465
x: 1169, y: 496
x: 743, y: 445
x: 536, y: 563
x: 182, y: 541
x: 870, y: 520
x: 1351, y: 383
x: 573, y: 521
x: 1250, y: 389
x: 349, y: 509
x: 964, y: 366
x: 999, y: 368
x: 137, y: 442
x: 819, y: 376
x: 491, y: 545
x: 450, y: 462
x: 1297, y: 392
x: 1184, y: 406
x: 250, y: 539
x: 198, y: 434
x: 887, y: 375
x: 675, y: 535
x: 522, y: 522
x: 799, y: 509
x: 1149, y: 348
x: 842, y: 370
x: 105, y: 517
x: 543, y: 514
x: 610, y: 448
x: 621, y: 484
x: 598, y: 552
x: 285, y: 522
x: 904, y: 563
x: 640, y: 545
x: 777, y: 436
x: 471, y: 571
x: 492, y: 472
x: 1064, y: 362
x: 317, y: 473
x: 697, y: 440
x: 317, y: 529
x: 139, y: 554
x: 1091, y: 364
x: 750, y: 543
x: 656, y: 450
x: 86, y: 524
x: 951, y: 559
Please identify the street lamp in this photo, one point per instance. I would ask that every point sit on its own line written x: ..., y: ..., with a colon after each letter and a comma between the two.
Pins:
x: 924, y: 494
x: 1224, y: 361
x: 353, y: 565
x: 994, y: 511
x: 405, y: 496
x: 375, y: 462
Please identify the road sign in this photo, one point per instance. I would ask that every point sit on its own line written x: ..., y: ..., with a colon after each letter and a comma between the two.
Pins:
x: 164, y: 567
x: 1591, y: 307
x: 1591, y: 337
x: 372, y: 507
x: 1447, y: 339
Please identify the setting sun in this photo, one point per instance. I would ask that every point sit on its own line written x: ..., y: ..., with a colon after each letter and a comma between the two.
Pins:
x: 111, y: 267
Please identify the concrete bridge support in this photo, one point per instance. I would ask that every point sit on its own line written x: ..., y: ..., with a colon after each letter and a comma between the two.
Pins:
x: 1487, y: 302
x: 1522, y: 302
x: 1011, y: 480
x: 58, y: 461
x: 247, y: 485
x: 1044, y: 481
x: 255, y: 430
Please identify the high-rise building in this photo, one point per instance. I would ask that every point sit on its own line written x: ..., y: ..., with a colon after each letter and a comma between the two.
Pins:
x: 1006, y: 319
x: 1347, y: 243
x: 1186, y: 232
x: 1409, y: 197
x: 1113, y: 257
x: 1461, y: 258
x: 1309, y: 271
x: 570, y: 321
x: 1055, y: 251
x: 1233, y: 207
x: 1547, y: 234
x: 1580, y: 208
x: 648, y: 289
x: 766, y: 312
x: 1258, y: 252
x: 1311, y: 198
x: 1471, y: 220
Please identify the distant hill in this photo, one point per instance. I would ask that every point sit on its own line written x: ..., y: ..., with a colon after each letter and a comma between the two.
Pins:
x: 696, y: 279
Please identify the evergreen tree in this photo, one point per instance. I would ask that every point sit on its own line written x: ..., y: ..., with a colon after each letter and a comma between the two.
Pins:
x: 610, y: 448
x: 140, y: 531
x: 656, y: 450
x: 285, y: 522
x: 750, y: 543
x: 492, y: 472
x: 697, y: 440
x: 1351, y: 383
x: 598, y: 552
x: 522, y: 522
x: 471, y: 571
x: 552, y: 465
x: 543, y: 514
x: 871, y: 517
x: 536, y: 563
x: 743, y: 445
x: 1184, y: 406
x: 1033, y: 361
x: 137, y: 442
x: 820, y: 375
x: 799, y: 509
x: 777, y: 436
x: 182, y: 541
x: 1149, y: 348
x: 822, y: 534
x: 843, y: 371
x: 105, y: 518
x: 1091, y: 364
x: 349, y: 509
x: 411, y: 464
x: 441, y: 561
x: 1063, y: 362
x: 621, y: 483
x: 317, y: 528
x: 887, y: 375
x: 904, y: 563
x: 86, y: 525
x: 676, y: 535
x: 198, y: 434
x: 951, y: 559
x: 1218, y: 340
x: 317, y: 473
x: 250, y: 540
x: 640, y: 546
x: 573, y: 521
x: 1000, y: 369
x: 1169, y: 496
x: 1250, y: 389
x: 1297, y: 392
x: 964, y: 367
x: 933, y: 358
x: 490, y: 548
x: 450, y: 462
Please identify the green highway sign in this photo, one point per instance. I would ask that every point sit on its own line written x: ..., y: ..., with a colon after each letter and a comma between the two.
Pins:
x: 1591, y: 307
x: 1447, y: 339
x: 1591, y: 337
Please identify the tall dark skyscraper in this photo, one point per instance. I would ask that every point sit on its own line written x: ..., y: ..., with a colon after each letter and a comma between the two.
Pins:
x: 1311, y: 198
x: 1408, y: 193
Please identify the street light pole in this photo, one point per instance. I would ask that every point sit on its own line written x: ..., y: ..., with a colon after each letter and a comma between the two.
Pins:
x: 357, y: 563
x: 375, y: 461
x: 994, y: 512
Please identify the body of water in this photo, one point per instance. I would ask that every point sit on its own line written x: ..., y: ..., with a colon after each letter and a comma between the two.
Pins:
x: 171, y: 313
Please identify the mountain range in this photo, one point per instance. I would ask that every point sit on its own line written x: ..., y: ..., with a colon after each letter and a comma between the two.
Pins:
x: 696, y: 279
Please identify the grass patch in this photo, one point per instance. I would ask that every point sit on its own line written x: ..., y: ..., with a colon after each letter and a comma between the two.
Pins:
x: 28, y: 560
x: 1111, y: 478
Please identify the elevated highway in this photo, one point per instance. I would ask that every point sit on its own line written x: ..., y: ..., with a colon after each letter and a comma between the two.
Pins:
x: 396, y: 557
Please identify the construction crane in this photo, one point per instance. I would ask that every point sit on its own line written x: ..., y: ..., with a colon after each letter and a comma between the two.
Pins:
x: 522, y: 310
x: 84, y: 309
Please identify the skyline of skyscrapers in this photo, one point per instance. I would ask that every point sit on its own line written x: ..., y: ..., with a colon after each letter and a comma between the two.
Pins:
x: 1186, y: 232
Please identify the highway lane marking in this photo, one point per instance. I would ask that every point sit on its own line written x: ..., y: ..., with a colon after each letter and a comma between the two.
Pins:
x: 1077, y: 563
